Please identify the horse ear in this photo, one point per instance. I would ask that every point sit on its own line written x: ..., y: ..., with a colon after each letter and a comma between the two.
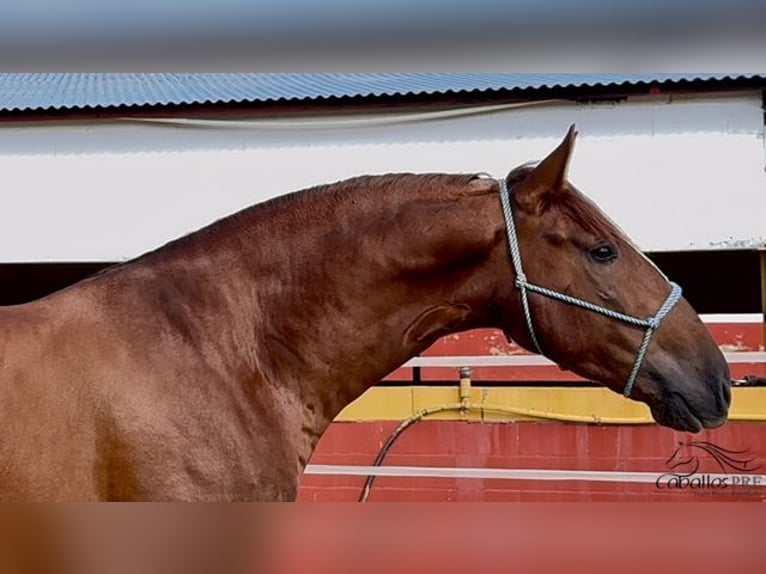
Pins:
x: 548, y: 176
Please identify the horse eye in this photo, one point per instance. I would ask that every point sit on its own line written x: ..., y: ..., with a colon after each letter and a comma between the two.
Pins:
x: 603, y: 254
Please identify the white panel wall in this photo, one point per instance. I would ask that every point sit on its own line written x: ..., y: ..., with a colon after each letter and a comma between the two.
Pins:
x: 684, y: 174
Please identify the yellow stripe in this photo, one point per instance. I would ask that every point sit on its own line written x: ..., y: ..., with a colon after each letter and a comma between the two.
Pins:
x: 545, y: 403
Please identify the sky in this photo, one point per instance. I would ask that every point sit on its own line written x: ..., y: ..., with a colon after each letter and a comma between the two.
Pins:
x: 392, y: 34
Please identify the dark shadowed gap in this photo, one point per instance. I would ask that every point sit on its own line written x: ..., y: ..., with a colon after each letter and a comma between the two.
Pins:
x: 720, y: 281
x: 24, y: 282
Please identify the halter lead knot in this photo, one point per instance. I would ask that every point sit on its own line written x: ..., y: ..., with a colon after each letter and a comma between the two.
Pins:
x: 650, y: 324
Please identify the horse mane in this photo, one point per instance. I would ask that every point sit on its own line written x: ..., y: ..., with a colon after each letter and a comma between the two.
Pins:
x: 308, y: 200
x: 338, y: 193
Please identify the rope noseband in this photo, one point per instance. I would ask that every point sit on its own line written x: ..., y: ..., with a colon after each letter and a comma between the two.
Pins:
x: 524, y: 286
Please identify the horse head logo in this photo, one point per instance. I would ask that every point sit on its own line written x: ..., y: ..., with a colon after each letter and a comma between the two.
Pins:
x: 685, y: 460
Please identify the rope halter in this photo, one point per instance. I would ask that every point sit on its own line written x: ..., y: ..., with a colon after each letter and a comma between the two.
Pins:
x: 650, y: 324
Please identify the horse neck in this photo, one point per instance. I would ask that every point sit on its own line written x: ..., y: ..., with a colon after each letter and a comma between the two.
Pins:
x: 349, y: 287
x: 318, y: 296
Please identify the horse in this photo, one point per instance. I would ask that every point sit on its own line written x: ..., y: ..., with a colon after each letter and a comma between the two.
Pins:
x: 209, y: 368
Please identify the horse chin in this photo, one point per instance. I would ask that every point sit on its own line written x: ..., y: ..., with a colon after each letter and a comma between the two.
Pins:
x: 674, y: 412
x: 666, y: 417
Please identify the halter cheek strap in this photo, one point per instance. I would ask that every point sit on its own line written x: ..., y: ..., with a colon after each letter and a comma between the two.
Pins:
x: 650, y: 324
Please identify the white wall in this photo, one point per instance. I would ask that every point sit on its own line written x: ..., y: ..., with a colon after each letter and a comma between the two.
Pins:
x: 675, y: 175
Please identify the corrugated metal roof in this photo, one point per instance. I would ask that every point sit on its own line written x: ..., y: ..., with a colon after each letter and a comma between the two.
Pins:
x: 20, y: 92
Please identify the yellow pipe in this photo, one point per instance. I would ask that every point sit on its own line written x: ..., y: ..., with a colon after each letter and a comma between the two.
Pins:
x: 545, y: 415
x: 465, y: 406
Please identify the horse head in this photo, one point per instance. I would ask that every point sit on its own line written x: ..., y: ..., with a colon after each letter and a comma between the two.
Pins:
x: 592, y: 302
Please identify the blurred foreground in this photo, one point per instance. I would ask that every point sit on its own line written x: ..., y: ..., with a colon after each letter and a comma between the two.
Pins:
x: 401, y: 538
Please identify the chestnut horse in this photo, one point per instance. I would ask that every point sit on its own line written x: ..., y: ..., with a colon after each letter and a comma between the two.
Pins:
x: 209, y: 368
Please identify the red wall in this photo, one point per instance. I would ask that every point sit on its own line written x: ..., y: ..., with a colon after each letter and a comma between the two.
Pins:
x: 532, y: 445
